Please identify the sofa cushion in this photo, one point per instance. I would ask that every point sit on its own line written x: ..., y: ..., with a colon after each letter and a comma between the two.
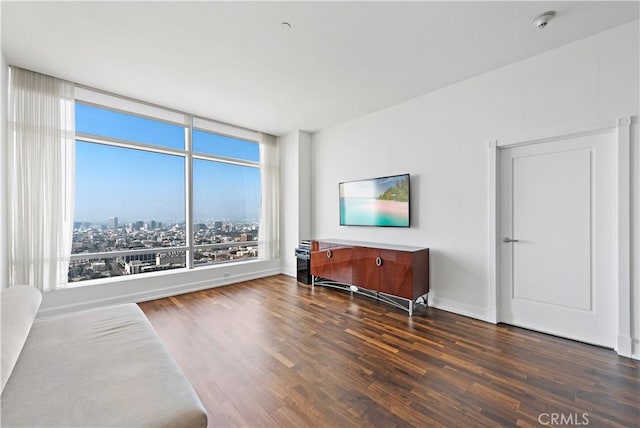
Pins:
x: 102, y: 367
x: 18, y: 308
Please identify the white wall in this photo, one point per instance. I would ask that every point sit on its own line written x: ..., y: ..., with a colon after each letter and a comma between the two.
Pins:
x: 442, y: 139
x: 288, y: 146
x: 4, y: 256
x: 295, y: 195
x: 304, y: 189
x: 635, y: 239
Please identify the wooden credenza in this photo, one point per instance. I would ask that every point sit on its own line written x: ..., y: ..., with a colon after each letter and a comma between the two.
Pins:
x: 386, y: 272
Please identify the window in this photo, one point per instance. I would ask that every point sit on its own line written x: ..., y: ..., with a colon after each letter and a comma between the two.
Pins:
x: 139, y: 184
x: 96, y: 121
x: 223, y: 146
x: 226, y: 200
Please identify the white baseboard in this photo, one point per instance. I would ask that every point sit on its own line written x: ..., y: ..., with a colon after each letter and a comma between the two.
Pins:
x: 492, y: 315
x: 290, y: 272
x: 635, y: 347
x: 624, y: 346
x: 156, y: 293
x: 471, y: 311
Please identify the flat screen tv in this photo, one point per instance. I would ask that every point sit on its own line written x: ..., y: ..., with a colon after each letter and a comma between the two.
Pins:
x: 382, y: 201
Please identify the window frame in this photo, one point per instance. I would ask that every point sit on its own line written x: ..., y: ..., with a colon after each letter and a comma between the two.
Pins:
x: 103, y: 100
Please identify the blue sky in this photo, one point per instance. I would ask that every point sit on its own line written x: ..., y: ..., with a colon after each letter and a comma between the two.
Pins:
x: 140, y: 185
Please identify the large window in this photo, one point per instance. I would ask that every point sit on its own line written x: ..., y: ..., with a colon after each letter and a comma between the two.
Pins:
x: 226, y: 198
x: 154, y: 194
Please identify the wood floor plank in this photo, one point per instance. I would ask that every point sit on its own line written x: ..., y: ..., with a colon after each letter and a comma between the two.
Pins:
x: 274, y: 352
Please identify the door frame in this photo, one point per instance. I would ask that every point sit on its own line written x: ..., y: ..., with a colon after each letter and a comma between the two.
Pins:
x: 622, y: 213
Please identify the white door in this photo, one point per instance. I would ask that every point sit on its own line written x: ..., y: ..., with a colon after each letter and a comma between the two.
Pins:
x: 557, y: 206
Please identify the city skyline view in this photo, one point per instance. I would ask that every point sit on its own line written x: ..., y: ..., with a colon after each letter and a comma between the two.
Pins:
x: 158, y: 247
x: 127, y: 222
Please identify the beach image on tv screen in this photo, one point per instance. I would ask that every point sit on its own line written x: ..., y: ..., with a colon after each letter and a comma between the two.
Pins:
x: 376, y: 202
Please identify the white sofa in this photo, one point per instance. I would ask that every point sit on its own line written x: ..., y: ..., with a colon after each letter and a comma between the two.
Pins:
x: 98, y: 368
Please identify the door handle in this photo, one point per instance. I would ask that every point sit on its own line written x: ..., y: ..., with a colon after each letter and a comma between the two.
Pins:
x: 329, y: 254
x: 378, y: 261
x: 508, y: 240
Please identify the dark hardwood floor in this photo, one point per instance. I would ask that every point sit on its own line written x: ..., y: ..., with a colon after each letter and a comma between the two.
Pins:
x: 272, y: 352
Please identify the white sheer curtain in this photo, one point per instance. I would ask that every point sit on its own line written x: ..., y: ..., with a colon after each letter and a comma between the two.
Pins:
x: 41, y: 170
x: 269, y: 232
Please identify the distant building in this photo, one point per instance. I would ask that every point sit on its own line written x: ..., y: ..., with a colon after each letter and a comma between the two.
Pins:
x: 113, y: 222
x: 134, y: 267
x: 98, y: 266
x: 217, y: 225
x: 170, y: 258
x: 143, y: 257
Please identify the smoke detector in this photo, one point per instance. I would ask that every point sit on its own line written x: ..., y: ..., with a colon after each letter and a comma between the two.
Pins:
x: 543, y: 20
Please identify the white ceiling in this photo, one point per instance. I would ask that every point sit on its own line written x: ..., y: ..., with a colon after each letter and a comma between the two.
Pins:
x: 233, y: 61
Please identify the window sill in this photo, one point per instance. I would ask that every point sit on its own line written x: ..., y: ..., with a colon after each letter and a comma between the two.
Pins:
x: 160, y: 274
